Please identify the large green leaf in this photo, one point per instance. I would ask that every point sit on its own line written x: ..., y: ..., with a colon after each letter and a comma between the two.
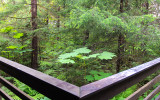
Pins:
x: 82, y: 50
x: 66, y: 61
x: 68, y: 55
x: 5, y: 51
x: 97, y: 77
x: 85, y: 57
x: 94, y: 55
x: 91, y: 56
x: 89, y: 78
x: 22, y: 51
x: 18, y: 35
x: 93, y: 72
x: 12, y: 47
x: 106, y: 55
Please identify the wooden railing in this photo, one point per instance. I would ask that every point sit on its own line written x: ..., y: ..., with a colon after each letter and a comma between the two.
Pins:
x: 56, y: 89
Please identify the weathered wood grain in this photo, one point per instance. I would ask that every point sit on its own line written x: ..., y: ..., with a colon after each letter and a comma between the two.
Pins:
x: 143, y: 89
x: 153, y: 93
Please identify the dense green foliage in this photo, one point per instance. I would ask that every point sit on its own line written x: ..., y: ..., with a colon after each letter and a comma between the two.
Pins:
x: 78, y: 39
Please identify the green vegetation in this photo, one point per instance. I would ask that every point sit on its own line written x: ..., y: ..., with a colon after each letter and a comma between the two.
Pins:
x: 79, y: 41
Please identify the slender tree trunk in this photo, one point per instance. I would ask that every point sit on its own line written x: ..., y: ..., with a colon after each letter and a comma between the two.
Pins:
x: 34, y: 60
x: 34, y: 13
x: 64, y: 4
x: 86, y: 38
x: 58, y: 19
x: 120, y: 52
x: 147, y: 7
x: 23, y: 55
x: 126, y: 5
x: 47, y: 21
x: 120, y: 44
x: 121, y: 6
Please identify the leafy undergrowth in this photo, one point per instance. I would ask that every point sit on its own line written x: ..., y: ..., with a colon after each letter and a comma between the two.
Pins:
x: 28, y: 90
x: 125, y: 94
x: 95, y: 75
x: 78, y: 53
x: 149, y: 91
x: 85, y: 65
x: 131, y: 90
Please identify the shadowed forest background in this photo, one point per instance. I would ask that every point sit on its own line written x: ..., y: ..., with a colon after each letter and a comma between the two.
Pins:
x: 79, y: 41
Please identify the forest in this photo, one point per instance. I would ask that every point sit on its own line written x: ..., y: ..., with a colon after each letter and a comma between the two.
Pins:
x: 79, y: 41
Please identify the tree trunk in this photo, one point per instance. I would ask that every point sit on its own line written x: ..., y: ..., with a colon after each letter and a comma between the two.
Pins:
x: 120, y: 44
x: 34, y: 13
x: 120, y: 52
x: 126, y: 5
x: 138, y: 4
x: 34, y: 60
x: 58, y: 19
x: 147, y: 7
x: 121, y: 6
x: 86, y: 38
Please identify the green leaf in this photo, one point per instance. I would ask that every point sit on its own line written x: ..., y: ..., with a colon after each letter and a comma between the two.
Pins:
x: 97, y: 77
x: 105, y: 74
x: 27, y: 50
x: 106, y: 55
x: 93, y: 72
x: 68, y: 55
x: 85, y: 57
x: 21, y: 47
x: 66, y: 61
x: 90, y: 56
x: 22, y: 51
x: 121, y: 98
x: 94, y: 55
x: 5, y: 51
x: 18, y: 35
x: 82, y: 50
x: 89, y: 78
x: 12, y: 47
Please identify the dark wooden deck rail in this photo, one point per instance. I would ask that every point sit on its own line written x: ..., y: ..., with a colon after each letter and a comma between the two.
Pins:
x: 59, y: 90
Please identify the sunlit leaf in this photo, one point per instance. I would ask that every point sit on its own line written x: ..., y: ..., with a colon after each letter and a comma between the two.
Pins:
x: 66, y: 61
x: 85, y: 57
x: 106, y: 55
x: 82, y: 50
x: 94, y: 55
x: 90, y: 56
x: 5, y: 51
x: 68, y: 55
x: 12, y: 47
x: 18, y: 35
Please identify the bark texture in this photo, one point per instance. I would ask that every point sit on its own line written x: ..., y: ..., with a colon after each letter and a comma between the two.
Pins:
x: 34, y: 60
x: 120, y: 44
